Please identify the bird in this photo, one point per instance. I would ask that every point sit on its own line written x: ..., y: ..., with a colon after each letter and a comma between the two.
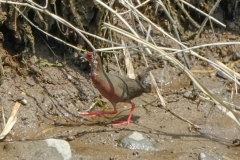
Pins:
x: 116, y: 88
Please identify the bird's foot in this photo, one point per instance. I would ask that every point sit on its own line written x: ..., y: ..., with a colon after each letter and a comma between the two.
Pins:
x: 118, y: 123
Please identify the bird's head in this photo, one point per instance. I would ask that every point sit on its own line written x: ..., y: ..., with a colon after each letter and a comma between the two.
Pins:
x: 89, y: 56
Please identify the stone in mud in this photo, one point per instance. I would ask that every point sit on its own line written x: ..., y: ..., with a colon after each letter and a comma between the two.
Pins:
x: 136, y: 140
x: 236, y: 56
x: 53, y: 149
x: 187, y: 94
x: 226, y: 59
x: 203, y: 156
x: 221, y: 75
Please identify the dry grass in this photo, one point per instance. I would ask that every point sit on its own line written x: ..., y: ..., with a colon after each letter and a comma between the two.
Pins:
x: 147, y: 45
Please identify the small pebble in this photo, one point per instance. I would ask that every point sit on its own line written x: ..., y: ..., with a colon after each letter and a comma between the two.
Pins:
x: 226, y: 59
x: 76, y: 83
x: 23, y: 101
x: 223, y: 53
x: 203, y: 156
x: 236, y: 56
x: 135, y: 153
x: 232, y: 37
x: 237, y: 108
x: 69, y: 77
x: 204, y: 64
x: 173, y: 151
x: 70, y: 138
x: 232, y: 25
x: 221, y: 75
x: 187, y: 94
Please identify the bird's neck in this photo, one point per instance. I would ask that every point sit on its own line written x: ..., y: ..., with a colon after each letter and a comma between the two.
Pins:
x: 97, y: 71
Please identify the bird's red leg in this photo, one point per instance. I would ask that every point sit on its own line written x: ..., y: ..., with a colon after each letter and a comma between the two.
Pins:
x: 93, y: 114
x: 129, y: 117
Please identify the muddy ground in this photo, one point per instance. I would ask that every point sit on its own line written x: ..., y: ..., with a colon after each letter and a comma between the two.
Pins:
x: 55, y: 95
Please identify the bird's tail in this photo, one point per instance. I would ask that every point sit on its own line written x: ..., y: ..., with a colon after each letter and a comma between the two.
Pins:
x: 141, y: 77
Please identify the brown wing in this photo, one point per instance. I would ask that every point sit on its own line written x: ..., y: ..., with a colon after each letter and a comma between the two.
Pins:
x: 130, y: 88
